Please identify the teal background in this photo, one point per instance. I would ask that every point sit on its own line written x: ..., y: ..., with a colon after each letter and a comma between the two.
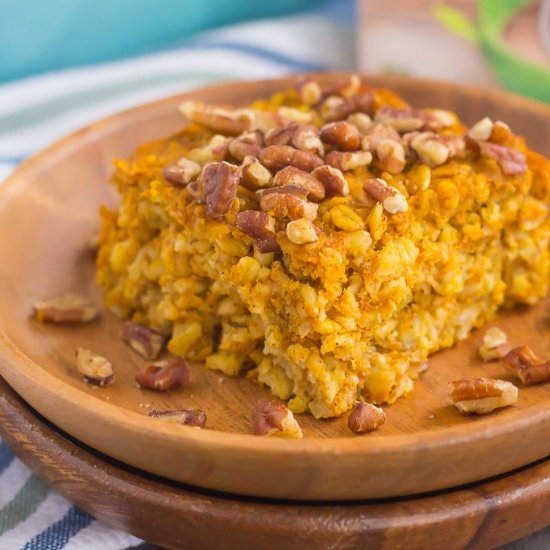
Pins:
x: 42, y: 35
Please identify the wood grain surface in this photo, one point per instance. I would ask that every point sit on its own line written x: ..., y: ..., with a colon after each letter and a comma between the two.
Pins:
x: 48, y: 209
x: 176, y: 516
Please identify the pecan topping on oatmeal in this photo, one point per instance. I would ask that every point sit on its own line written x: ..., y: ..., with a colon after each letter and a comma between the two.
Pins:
x: 342, y: 135
x: 402, y: 120
x: 306, y: 138
x: 377, y: 133
x: 365, y: 417
x: 310, y: 92
x: 511, y: 161
x: 67, y: 308
x: 146, y: 341
x: 95, y: 369
x: 348, y: 160
x: 301, y: 231
x: 164, y: 375
x: 276, y: 157
x: 230, y: 122
x: 391, y: 155
x: 272, y: 418
x: 481, y: 395
x: 390, y: 197
x: 286, y: 202
x: 290, y: 175
x: 261, y: 227
x: 339, y: 110
x: 247, y: 144
x: 254, y: 175
x: 281, y: 135
x: 332, y: 179
x: 182, y: 172
x: 430, y: 148
x: 188, y: 417
x: 221, y: 180
x: 527, y: 366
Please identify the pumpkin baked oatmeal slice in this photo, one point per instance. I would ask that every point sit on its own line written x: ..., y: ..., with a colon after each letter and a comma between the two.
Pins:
x: 325, y: 241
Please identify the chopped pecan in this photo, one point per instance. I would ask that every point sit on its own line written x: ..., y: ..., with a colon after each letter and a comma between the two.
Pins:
x: 365, y: 417
x: 95, y: 369
x: 272, y: 418
x: 67, y: 308
x: 188, y: 417
x: 290, y: 175
x: 339, y: 110
x: 391, y: 198
x: 527, y: 366
x: 431, y: 148
x: 253, y: 174
x: 482, y: 395
x: 230, y: 122
x: 361, y: 121
x: 285, y: 202
x: 276, y: 157
x: 261, y: 227
x: 221, y: 180
x: 391, y: 155
x: 511, y: 161
x: 182, y: 172
x: 495, y: 344
x: 301, y: 231
x: 247, y: 144
x: 455, y: 143
x: 348, y: 160
x: 295, y: 115
x: 341, y: 135
x: 481, y: 130
x: 164, y: 375
x: 332, y: 179
x: 402, y: 120
x: 306, y: 138
x: 377, y: 133
x: 309, y: 91
x: 440, y: 118
x: 281, y: 135
x: 346, y: 88
x: 146, y: 341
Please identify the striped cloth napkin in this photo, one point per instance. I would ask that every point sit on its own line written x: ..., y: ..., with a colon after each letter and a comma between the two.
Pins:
x: 36, y: 111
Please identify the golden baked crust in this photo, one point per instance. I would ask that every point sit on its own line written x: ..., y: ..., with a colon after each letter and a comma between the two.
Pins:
x: 355, y: 313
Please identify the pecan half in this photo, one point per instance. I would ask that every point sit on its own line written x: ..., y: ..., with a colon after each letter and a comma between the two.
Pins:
x: 377, y: 133
x: 272, y: 418
x: 306, y: 138
x: 290, y: 175
x: 286, y: 202
x: 261, y: 227
x: 391, y: 198
x: 230, y: 122
x: 281, y: 135
x: 527, y: 366
x: 348, y: 160
x: 188, y: 417
x: 339, y: 110
x: 254, y: 175
x: 247, y: 144
x: 332, y: 179
x: 365, y: 417
x: 402, y: 120
x: 481, y: 395
x: 276, y: 157
x: 146, y: 341
x: 309, y: 91
x: 221, y: 180
x: 67, y: 308
x: 342, y: 135
x: 164, y: 375
x: 182, y: 172
x: 301, y: 231
x: 361, y: 121
x: 391, y: 155
x: 495, y: 344
x: 95, y: 369
x: 511, y: 161
x: 431, y: 148
x: 295, y: 115
x: 481, y: 130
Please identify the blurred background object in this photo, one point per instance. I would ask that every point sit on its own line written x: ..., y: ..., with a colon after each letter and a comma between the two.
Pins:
x: 482, y: 42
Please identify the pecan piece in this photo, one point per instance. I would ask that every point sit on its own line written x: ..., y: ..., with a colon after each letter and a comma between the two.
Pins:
x: 290, y: 175
x: 391, y: 198
x: 164, y: 375
x: 309, y: 91
x: 306, y: 138
x: 301, y: 231
x: 341, y: 135
x: 339, y: 110
x: 261, y: 227
x: 391, y: 155
x: 254, y: 175
x: 95, y: 369
x: 377, y: 133
x: 281, y: 135
x: 288, y: 202
x: 188, y: 417
x: 295, y: 115
x: 247, y: 144
x: 481, y: 130
x: 511, y: 161
x: 402, y: 120
x: 221, y: 180
x: 431, y: 148
x: 276, y: 157
x: 146, y: 341
x: 495, y: 344
x: 230, y: 122
x: 67, y: 308
x: 348, y: 160
x: 361, y: 121
x: 365, y: 417
x: 481, y: 395
x: 182, y: 172
x: 527, y: 366
x: 332, y: 179
x: 273, y: 419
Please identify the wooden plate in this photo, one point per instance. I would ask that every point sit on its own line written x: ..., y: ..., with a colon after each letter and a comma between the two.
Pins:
x: 48, y: 209
x: 173, y: 515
